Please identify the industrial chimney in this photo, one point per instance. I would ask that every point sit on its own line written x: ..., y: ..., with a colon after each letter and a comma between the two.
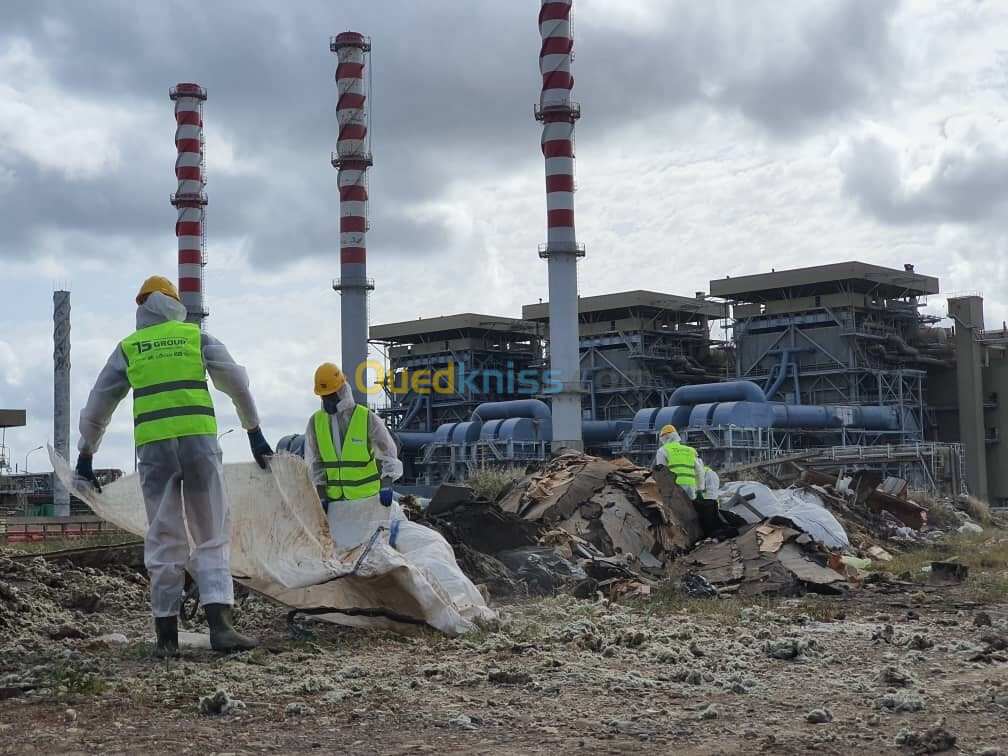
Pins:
x: 353, y: 158
x: 190, y: 199
x: 558, y: 113
x: 61, y: 395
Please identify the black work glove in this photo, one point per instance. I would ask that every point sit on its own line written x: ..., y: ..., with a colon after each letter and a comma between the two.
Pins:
x: 85, y: 470
x: 260, y: 448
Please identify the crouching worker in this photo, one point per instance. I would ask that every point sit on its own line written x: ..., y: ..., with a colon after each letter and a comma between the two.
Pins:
x: 681, y: 460
x: 693, y: 477
x: 166, y: 362
x: 350, y: 454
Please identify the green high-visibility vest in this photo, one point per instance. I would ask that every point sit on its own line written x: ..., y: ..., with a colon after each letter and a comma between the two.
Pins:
x: 170, y: 396
x: 353, y: 473
x: 681, y: 459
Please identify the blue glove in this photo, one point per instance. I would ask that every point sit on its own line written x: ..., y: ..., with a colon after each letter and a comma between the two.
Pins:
x: 260, y: 448
x: 85, y: 471
x: 385, y: 497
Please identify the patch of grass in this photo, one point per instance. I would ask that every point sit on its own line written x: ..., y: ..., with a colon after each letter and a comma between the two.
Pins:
x: 978, y: 509
x: 41, y: 547
x: 939, y: 513
x: 490, y: 482
x: 68, y: 683
x: 986, y: 555
x: 666, y: 598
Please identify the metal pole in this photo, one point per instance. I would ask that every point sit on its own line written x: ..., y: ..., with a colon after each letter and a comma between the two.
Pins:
x: 26, y: 457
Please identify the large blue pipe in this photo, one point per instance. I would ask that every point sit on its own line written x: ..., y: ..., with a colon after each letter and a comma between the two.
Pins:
x: 413, y: 440
x: 604, y: 431
x: 533, y: 408
x: 729, y: 391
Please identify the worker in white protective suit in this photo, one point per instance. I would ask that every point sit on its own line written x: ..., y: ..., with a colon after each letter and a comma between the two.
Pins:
x: 680, y: 459
x: 353, y: 462
x: 166, y: 362
x: 350, y: 454
x: 711, y: 484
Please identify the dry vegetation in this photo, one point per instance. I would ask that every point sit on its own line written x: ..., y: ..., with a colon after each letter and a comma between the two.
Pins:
x: 489, y: 482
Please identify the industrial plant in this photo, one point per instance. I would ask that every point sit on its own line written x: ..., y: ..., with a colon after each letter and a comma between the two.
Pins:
x: 838, y: 364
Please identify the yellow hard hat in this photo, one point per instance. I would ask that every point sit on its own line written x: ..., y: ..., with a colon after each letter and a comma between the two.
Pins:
x: 666, y: 430
x: 157, y: 283
x: 328, y: 379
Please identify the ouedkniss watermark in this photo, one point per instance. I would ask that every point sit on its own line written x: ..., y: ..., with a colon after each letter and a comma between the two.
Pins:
x: 458, y: 379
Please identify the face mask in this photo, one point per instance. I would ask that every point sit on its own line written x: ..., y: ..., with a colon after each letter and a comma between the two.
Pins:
x: 330, y: 402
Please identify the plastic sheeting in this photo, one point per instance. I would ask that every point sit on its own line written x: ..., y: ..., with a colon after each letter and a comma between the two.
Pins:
x: 281, y: 547
x: 802, y: 509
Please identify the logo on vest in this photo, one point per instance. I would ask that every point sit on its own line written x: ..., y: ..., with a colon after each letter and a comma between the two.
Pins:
x: 146, y: 346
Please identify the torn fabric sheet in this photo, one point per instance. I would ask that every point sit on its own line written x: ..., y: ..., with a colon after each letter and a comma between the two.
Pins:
x: 281, y: 547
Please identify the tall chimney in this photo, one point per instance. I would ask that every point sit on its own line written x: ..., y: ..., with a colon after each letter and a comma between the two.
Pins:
x: 61, y: 394
x: 353, y: 158
x: 558, y: 113
x: 190, y: 199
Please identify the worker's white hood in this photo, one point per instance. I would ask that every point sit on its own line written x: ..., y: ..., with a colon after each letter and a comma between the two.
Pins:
x: 159, y: 308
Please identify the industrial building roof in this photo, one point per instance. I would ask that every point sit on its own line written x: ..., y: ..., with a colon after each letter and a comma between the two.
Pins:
x: 11, y: 418
x: 408, y: 331
x: 821, y: 279
x: 624, y: 300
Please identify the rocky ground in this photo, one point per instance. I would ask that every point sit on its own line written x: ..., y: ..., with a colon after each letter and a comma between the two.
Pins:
x: 895, y: 668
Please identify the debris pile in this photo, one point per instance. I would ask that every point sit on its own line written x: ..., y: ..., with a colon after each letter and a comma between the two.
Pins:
x: 617, y: 507
x: 610, y: 526
x: 767, y: 559
x: 40, y: 599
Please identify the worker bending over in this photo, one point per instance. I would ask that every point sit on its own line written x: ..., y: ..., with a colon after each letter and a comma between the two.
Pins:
x: 680, y: 459
x: 166, y: 362
x: 350, y: 453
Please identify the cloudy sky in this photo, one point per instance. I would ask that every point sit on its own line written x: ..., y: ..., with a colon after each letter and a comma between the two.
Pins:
x: 718, y: 138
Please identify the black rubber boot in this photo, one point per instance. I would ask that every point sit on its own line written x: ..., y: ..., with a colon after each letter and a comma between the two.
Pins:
x: 223, y: 636
x: 166, y: 629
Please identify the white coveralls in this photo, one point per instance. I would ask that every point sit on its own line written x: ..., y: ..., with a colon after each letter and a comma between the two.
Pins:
x: 382, y: 445
x: 661, y: 460
x: 177, y: 472
x: 353, y: 522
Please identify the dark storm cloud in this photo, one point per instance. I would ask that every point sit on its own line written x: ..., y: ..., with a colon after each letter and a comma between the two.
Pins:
x: 453, y: 94
x: 839, y: 58
x: 965, y: 184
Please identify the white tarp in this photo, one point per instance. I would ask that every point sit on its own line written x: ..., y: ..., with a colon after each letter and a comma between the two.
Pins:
x: 802, y: 509
x: 281, y: 547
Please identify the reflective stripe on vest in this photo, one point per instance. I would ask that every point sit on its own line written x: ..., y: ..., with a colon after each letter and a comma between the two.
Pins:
x: 164, y: 365
x: 353, y: 473
x: 681, y: 460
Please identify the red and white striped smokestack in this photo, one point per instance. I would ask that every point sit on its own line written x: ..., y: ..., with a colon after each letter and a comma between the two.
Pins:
x: 558, y: 113
x: 352, y: 158
x: 189, y: 199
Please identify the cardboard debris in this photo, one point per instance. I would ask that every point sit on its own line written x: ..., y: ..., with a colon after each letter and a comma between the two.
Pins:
x: 741, y: 566
x: 772, y: 537
x: 614, y: 505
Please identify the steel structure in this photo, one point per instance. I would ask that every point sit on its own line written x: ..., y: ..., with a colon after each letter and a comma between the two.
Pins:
x: 845, y: 334
x: 967, y: 400
x: 61, y: 394
x: 558, y: 114
x: 636, y: 347
x: 353, y: 158
x: 469, y: 355
x: 189, y: 199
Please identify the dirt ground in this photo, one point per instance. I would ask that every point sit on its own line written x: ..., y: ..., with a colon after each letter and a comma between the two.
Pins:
x: 557, y: 675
